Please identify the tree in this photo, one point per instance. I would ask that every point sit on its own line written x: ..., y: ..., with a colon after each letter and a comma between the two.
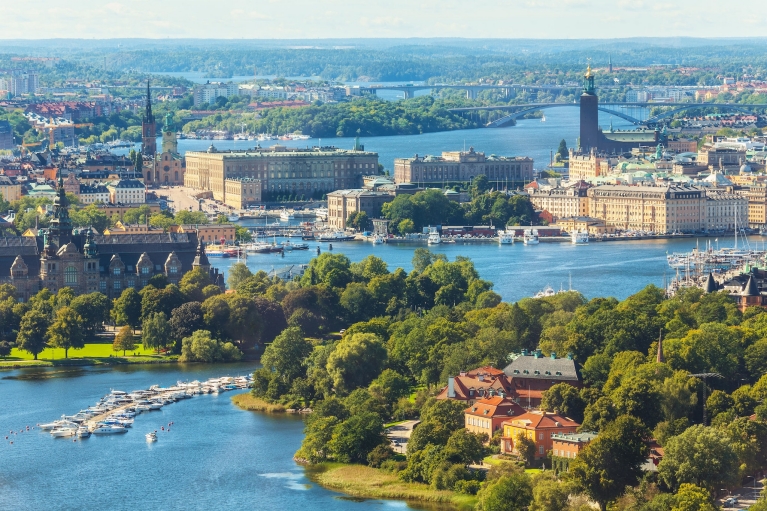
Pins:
x: 193, y: 282
x: 507, y: 493
x: 692, y: 498
x: 479, y: 185
x: 549, y: 494
x: 406, y: 226
x: 238, y: 273
x: 33, y: 332
x: 5, y: 348
x: 186, y: 320
x: 272, y: 318
x: 464, y: 447
x: 390, y: 386
x: 446, y: 412
x: 565, y: 399
x: 701, y: 456
x: 127, y: 308
x: 244, y: 324
x: 202, y: 347
x: 124, y: 340
x: 356, y: 437
x: 355, y: 361
x: 612, y: 461
x: 155, y: 331
x: 94, y: 309
x: 525, y: 447
x: 562, y: 151
x: 286, y: 356
x: 67, y: 330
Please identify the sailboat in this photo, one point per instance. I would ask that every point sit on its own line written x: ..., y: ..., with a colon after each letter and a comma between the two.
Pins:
x: 543, y: 119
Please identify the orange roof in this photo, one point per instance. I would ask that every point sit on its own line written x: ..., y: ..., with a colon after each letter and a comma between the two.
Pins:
x: 463, y: 385
x: 485, y: 371
x: 494, y: 407
x: 542, y: 420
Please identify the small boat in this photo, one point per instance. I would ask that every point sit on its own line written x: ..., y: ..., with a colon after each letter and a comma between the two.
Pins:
x: 546, y: 292
x: 377, y: 240
x: 543, y: 119
x: 530, y: 237
x: 233, y: 217
x: 83, y: 432
x: 579, y: 237
x: 151, y: 437
x: 505, y: 237
x: 434, y: 237
x: 109, y: 430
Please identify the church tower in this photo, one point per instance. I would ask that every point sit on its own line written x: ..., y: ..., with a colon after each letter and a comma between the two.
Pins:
x: 60, y: 230
x: 149, y: 135
x: 169, y: 141
x: 590, y: 134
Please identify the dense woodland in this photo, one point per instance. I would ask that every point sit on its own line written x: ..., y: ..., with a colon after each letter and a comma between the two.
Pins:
x: 404, y: 334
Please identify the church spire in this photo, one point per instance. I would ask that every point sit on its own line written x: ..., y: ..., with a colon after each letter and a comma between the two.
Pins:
x: 148, y: 115
x: 60, y: 230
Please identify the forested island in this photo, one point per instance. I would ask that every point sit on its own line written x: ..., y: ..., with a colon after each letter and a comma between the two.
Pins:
x: 405, y: 334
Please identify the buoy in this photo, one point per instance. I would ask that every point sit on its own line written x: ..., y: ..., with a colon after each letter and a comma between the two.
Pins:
x: 163, y: 428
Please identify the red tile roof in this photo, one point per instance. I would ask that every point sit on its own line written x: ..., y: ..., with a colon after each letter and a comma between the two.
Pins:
x: 542, y: 420
x: 494, y: 407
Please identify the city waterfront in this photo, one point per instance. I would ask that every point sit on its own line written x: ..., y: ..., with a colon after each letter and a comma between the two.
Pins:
x: 530, y: 137
x: 615, y: 268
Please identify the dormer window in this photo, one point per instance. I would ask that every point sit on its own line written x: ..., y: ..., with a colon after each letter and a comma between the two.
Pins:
x: 145, y: 270
x: 558, y: 373
x: 526, y: 371
x: 116, y: 271
x: 537, y: 372
x: 516, y: 371
x: 486, y: 411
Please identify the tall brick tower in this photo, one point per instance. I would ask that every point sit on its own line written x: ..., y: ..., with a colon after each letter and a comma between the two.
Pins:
x: 148, y: 128
x: 590, y: 134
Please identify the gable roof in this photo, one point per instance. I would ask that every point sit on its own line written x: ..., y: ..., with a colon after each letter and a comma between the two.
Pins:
x: 536, y: 366
x: 495, y: 407
x: 542, y: 420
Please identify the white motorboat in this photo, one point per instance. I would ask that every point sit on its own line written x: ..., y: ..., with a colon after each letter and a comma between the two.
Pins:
x: 505, y: 237
x: 286, y: 215
x: 377, y: 240
x: 151, y: 437
x: 321, y: 213
x: 58, y: 425
x: 434, y: 237
x: 546, y: 292
x: 155, y: 405
x: 233, y: 217
x: 83, y: 432
x: 109, y: 430
x: 579, y: 237
x: 63, y: 432
x: 530, y: 237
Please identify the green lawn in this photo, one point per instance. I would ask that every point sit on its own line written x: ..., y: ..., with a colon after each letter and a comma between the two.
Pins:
x: 89, y: 351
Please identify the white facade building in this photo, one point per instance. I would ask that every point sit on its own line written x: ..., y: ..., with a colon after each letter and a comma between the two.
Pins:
x: 209, y: 92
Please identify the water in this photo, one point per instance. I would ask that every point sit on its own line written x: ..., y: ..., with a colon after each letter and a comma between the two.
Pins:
x: 615, y: 268
x: 530, y: 137
x: 215, y: 457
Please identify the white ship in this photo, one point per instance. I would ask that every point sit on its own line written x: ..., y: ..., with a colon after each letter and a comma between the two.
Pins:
x: 505, y: 237
x: 530, y: 237
x: 579, y: 237
x: 434, y: 237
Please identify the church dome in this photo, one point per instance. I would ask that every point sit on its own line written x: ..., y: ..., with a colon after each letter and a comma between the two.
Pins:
x: 745, y: 169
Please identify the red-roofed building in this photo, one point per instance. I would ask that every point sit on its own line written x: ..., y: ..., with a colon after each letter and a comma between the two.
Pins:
x: 538, y: 426
x: 487, y: 415
x: 477, y: 386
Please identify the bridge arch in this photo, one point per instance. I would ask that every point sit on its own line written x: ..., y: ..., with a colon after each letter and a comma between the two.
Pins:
x: 507, y: 119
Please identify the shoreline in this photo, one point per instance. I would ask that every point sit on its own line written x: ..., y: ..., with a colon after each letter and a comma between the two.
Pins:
x: 9, y: 365
x: 249, y: 403
x: 363, y: 482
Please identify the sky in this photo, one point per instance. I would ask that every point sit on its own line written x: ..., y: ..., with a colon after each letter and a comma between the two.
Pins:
x: 314, y: 19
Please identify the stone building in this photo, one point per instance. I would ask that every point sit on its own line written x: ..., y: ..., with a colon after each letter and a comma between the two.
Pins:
x: 281, y: 171
x: 460, y: 167
x: 87, y: 262
x: 587, y: 165
x: 725, y: 211
x: 659, y: 209
x: 242, y: 192
x: 560, y: 201
x: 148, y: 127
x: 9, y: 189
x: 127, y: 191
x: 343, y: 203
x: 168, y: 167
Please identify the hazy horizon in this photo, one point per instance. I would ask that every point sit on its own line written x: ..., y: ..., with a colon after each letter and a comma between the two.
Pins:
x: 329, y: 19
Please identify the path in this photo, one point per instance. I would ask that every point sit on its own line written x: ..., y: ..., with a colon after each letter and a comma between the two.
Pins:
x: 400, y: 434
x: 746, y: 495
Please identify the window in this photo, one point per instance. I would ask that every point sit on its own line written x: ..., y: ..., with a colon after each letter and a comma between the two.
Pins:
x: 117, y: 285
x: 103, y: 286
x: 116, y: 271
x: 540, y: 449
x: 70, y: 275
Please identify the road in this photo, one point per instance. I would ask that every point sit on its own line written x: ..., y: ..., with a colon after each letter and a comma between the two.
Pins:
x: 400, y: 434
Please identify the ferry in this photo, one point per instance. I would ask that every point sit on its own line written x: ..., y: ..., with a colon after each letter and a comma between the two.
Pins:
x: 321, y: 213
x: 579, y: 237
x: 286, y: 215
x: 530, y: 237
x: 434, y: 237
x: 335, y: 236
x: 546, y: 292
x: 505, y: 238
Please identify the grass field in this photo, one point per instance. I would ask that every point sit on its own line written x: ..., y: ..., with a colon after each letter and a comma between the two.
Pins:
x: 366, y: 482
x: 248, y: 401
x: 91, y: 354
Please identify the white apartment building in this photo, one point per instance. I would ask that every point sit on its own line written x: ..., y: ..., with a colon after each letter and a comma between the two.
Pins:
x: 272, y: 93
x: 725, y: 211
x: 127, y: 191
x: 637, y: 96
x: 209, y: 92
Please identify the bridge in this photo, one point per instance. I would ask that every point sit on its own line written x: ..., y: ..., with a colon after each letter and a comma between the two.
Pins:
x: 471, y: 90
x: 523, y: 109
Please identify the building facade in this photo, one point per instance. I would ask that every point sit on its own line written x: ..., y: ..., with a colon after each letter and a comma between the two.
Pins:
x: 127, y: 191
x: 241, y: 192
x: 486, y: 416
x: 659, y: 209
x: 725, y: 211
x: 87, y: 262
x: 6, y: 135
x: 588, y: 165
x: 209, y: 92
x: 281, y: 171
x: 460, y: 167
x: 9, y: 190
x: 343, y: 203
x: 561, y: 202
x: 538, y: 426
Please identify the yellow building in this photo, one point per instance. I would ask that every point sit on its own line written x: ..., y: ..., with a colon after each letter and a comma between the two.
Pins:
x: 204, y: 232
x: 659, y: 209
x: 242, y: 192
x: 9, y: 190
x: 343, y: 203
x: 560, y: 202
x: 593, y: 226
x: 585, y: 166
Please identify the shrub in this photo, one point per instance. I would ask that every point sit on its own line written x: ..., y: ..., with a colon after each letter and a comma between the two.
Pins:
x: 379, y: 455
x: 201, y: 347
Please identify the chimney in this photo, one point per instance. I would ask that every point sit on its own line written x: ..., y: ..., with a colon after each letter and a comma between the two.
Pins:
x: 450, y: 387
x: 553, y: 355
x: 569, y: 356
x: 524, y: 353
